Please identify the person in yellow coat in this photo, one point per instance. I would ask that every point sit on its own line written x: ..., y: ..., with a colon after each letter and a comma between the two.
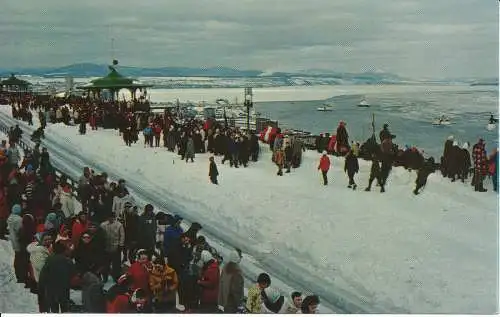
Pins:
x: 163, y: 283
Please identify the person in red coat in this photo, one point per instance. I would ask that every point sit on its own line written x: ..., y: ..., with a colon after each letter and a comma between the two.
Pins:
x: 139, y: 271
x: 324, y: 166
x: 119, y: 295
x: 79, y: 227
x: 209, y: 283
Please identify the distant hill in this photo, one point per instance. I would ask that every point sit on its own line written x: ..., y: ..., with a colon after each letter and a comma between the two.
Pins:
x: 96, y: 70
x: 255, y: 77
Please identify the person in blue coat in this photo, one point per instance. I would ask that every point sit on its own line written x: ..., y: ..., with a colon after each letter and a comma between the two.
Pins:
x: 172, y: 233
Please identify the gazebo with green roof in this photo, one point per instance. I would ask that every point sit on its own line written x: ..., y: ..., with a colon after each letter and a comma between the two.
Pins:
x: 14, y: 84
x: 113, y: 82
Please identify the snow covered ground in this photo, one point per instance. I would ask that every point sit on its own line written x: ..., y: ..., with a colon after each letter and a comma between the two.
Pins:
x: 251, y: 268
x: 393, y: 252
x: 14, y: 298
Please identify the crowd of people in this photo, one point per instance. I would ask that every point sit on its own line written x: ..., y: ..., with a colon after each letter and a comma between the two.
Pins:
x: 188, y: 136
x: 455, y: 162
x: 153, y: 264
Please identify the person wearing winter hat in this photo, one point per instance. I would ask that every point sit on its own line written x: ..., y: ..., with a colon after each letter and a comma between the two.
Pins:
x: 39, y: 251
x: 209, y: 283
x: 235, y: 256
x: 14, y: 225
x: 139, y: 270
x: 231, y: 292
x: 273, y: 302
x: 446, y: 157
x: 294, y: 304
x: 324, y: 166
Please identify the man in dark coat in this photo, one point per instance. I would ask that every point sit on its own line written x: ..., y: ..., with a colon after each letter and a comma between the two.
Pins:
x: 445, y: 159
x: 93, y: 298
x: 465, y: 162
x: 423, y: 173
x: 351, y: 167
x: 147, y: 229
x: 374, y: 172
x: 385, y: 133
x: 55, y: 280
x: 131, y: 225
x: 213, y: 172
x: 342, y: 138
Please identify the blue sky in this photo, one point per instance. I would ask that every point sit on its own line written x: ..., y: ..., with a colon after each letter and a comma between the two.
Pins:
x: 421, y: 38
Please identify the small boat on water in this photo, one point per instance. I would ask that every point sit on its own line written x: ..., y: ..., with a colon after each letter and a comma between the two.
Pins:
x: 442, y: 121
x: 325, y: 107
x: 364, y: 104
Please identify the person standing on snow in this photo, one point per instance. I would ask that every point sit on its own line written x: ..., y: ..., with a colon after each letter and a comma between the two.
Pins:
x: 324, y: 166
x: 55, y: 279
x: 115, y: 241
x: 423, y: 173
x: 209, y: 283
x: 351, y: 167
x: 494, y: 169
x: 212, y: 171
x: 13, y: 154
x: 254, y: 297
x: 147, y: 229
x: 465, y: 162
x: 294, y: 306
x: 480, y: 165
x: 231, y: 289
x: 279, y: 159
x: 374, y: 173
x: 273, y: 302
x: 190, y: 149
x: 14, y: 225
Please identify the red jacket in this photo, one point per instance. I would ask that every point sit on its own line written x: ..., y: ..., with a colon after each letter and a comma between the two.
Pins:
x: 77, y: 230
x: 120, y: 305
x: 140, y: 276
x: 324, y: 163
x: 209, y: 283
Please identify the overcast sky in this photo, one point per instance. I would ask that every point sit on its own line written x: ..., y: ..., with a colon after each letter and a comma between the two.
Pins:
x: 420, y: 38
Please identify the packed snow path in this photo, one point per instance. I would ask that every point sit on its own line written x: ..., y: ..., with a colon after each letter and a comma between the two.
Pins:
x: 391, y: 252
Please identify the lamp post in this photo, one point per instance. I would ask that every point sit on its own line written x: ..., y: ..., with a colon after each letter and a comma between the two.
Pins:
x: 248, y: 105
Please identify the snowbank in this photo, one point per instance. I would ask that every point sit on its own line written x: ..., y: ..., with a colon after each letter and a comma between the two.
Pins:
x: 14, y: 298
x: 394, y: 252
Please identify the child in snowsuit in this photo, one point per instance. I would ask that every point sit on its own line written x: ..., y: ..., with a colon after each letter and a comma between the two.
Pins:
x: 351, y: 167
x: 212, y: 171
